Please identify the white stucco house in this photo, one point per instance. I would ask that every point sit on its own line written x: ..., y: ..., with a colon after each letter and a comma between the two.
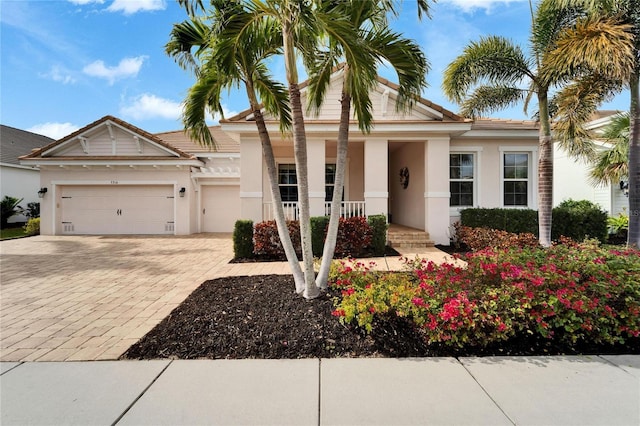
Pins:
x: 420, y: 169
x: 571, y: 177
x: 17, y: 180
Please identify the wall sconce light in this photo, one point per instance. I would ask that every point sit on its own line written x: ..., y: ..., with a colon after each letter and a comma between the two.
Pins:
x: 624, y: 187
x: 182, y: 191
x: 42, y: 192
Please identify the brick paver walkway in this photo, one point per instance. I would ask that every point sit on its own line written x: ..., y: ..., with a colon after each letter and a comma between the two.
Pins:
x: 65, y: 298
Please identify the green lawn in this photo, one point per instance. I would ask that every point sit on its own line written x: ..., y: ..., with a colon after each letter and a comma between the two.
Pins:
x: 7, y: 234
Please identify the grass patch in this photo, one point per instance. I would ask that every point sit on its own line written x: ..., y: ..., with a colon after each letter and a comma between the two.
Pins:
x: 9, y: 233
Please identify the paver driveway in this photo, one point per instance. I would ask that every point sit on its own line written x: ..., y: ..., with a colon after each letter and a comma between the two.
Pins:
x: 91, y: 297
x: 67, y: 298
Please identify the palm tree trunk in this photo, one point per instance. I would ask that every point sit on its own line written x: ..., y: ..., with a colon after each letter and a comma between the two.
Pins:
x: 336, y: 202
x: 545, y: 172
x: 634, y: 161
x: 300, y: 153
x: 281, y: 223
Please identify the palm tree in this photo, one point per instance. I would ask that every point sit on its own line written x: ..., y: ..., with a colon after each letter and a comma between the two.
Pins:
x: 219, y: 65
x: 376, y: 43
x: 487, y: 77
x: 603, y: 48
x: 610, y: 165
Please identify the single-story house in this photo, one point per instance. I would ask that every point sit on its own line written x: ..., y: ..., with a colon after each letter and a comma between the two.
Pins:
x: 18, y: 180
x: 571, y: 177
x: 420, y: 169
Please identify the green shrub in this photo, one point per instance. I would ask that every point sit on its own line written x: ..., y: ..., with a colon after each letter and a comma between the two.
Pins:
x: 267, y: 241
x: 32, y: 227
x: 242, y: 239
x: 581, y: 294
x: 510, y: 220
x: 618, y: 224
x: 9, y: 207
x: 379, y: 226
x: 33, y: 210
x: 318, y: 232
x: 579, y: 220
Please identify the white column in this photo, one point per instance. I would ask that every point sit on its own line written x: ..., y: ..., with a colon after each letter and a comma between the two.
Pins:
x: 315, y: 167
x: 436, y: 196
x: 376, y: 176
x: 251, y: 180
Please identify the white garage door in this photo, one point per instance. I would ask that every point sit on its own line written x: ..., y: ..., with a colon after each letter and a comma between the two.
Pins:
x: 220, y: 208
x: 118, y: 209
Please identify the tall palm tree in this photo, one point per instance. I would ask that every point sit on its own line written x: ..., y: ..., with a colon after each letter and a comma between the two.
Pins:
x: 611, y: 164
x: 487, y: 77
x: 603, y: 48
x: 376, y: 43
x: 202, y: 46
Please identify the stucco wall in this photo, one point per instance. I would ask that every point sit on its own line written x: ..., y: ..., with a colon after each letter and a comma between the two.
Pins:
x: 19, y: 182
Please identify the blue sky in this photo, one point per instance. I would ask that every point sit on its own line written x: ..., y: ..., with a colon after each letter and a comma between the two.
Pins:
x: 66, y: 63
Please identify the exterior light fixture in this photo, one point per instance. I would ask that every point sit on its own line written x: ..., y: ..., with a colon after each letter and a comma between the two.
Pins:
x: 182, y: 191
x: 624, y: 187
x: 42, y: 192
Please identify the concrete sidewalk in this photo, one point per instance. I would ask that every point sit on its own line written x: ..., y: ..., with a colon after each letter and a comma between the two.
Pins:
x: 580, y: 390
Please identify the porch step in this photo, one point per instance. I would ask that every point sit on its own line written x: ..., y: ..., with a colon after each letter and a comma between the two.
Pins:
x: 403, y: 237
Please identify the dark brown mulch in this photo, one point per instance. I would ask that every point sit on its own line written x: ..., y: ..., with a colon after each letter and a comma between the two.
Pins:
x: 388, y: 251
x: 261, y: 317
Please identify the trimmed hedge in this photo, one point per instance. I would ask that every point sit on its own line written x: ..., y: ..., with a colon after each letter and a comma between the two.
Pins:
x: 267, y: 241
x: 243, y: 239
x: 579, y: 220
x: 319, y: 226
x: 379, y: 226
x: 510, y: 220
x: 574, y: 219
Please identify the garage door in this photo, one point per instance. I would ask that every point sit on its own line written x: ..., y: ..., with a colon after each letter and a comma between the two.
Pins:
x: 220, y: 208
x: 100, y: 210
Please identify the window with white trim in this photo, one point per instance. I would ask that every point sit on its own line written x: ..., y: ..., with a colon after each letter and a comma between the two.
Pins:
x: 516, y: 179
x: 288, y: 182
x: 462, y: 175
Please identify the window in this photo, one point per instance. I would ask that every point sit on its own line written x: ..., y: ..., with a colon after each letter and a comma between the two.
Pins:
x: 288, y: 182
x: 516, y: 179
x: 461, y: 179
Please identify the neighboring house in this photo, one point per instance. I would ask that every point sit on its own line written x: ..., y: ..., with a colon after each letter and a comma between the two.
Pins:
x: 17, y: 180
x: 419, y: 169
x: 571, y: 176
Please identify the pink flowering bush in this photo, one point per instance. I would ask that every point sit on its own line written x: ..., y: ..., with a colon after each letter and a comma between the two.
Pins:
x: 571, y: 294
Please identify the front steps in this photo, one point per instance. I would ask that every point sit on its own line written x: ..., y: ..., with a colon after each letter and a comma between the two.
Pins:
x: 403, y: 237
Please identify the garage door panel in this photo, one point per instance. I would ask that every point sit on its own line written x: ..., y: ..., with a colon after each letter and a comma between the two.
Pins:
x: 220, y: 208
x: 117, y: 210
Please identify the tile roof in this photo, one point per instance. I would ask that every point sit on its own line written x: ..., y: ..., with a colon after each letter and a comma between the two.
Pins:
x: 181, y: 140
x: 15, y: 143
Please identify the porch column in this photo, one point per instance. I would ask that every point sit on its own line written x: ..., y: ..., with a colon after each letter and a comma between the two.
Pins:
x: 315, y: 167
x: 436, y: 196
x: 376, y: 180
x: 251, y: 180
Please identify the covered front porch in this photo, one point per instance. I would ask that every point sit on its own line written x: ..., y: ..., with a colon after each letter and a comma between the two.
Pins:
x: 404, y: 180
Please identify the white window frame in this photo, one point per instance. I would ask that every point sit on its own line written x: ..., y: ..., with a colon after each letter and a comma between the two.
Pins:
x: 532, y: 173
x: 476, y: 151
x: 332, y: 161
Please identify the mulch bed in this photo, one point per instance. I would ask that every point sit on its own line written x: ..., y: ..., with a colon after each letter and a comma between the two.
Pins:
x: 262, y: 317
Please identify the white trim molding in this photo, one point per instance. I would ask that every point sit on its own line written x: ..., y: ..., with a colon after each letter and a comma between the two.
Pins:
x: 376, y: 194
x: 245, y: 194
x: 437, y: 195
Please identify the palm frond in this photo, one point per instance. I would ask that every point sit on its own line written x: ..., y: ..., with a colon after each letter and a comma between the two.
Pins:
x: 184, y: 37
x: 493, y: 61
x: 487, y: 99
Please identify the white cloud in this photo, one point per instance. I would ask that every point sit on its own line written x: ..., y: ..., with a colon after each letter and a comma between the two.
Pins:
x: 148, y: 106
x: 128, y: 67
x: 54, y: 130
x: 471, y: 5
x: 59, y: 74
x: 129, y: 7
